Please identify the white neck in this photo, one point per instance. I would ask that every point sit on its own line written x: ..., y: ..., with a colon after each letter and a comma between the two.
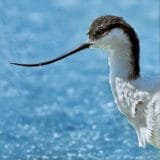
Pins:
x: 123, y: 55
x: 119, y: 48
x: 119, y: 62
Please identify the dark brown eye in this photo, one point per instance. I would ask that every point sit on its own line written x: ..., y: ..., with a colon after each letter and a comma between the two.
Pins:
x: 100, y: 31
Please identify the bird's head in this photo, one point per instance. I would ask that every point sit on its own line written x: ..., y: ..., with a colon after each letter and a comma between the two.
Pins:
x: 106, y: 32
x: 111, y: 32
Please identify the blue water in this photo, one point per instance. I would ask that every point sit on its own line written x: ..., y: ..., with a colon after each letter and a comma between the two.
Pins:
x: 66, y: 111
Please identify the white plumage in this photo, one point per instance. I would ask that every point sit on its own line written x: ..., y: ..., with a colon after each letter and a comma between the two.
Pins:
x: 138, y: 99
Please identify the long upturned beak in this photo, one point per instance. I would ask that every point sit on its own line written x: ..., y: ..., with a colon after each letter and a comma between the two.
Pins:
x: 81, y: 47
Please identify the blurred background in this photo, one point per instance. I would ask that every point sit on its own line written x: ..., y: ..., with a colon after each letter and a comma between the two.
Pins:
x: 66, y: 111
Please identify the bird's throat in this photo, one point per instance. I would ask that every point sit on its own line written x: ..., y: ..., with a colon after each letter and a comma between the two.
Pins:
x: 122, y: 65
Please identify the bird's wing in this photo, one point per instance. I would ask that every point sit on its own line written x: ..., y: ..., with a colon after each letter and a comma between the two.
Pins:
x: 150, y: 110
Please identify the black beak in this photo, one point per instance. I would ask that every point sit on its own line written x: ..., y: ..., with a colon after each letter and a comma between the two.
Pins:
x: 81, y: 47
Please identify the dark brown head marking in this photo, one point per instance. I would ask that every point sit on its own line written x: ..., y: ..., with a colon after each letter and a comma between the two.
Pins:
x: 102, y: 25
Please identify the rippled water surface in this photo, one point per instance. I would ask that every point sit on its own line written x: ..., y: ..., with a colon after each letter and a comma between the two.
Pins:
x: 66, y: 111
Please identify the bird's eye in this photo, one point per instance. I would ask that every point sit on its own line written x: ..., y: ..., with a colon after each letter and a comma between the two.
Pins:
x: 100, y: 31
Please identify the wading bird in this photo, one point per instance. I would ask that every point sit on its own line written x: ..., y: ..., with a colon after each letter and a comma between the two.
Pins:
x: 137, y: 97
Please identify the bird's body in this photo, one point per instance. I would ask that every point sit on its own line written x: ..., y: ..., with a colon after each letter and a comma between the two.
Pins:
x: 137, y: 98
x: 139, y: 101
